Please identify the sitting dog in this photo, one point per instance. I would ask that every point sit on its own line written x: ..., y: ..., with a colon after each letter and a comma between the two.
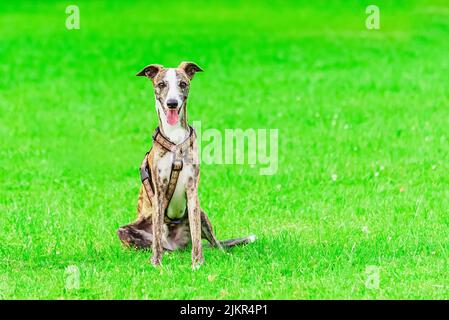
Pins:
x: 169, y: 214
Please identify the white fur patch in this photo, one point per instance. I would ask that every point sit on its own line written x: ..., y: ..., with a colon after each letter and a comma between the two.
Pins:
x: 174, y: 91
x: 178, y: 203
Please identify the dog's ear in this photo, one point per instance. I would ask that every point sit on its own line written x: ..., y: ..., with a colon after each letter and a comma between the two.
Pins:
x: 189, y: 68
x: 150, y: 71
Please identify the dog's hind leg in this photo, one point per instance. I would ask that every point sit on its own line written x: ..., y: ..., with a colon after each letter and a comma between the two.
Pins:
x: 137, y: 235
x: 207, y: 231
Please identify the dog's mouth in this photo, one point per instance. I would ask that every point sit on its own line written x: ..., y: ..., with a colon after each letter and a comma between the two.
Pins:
x: 172, y: 116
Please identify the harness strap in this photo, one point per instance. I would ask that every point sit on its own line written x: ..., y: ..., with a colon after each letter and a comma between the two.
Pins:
x: 145, y: 177
x: 167, y: 144
x: 177, y: 165
x: 163, y: 141
x: 174, y: 175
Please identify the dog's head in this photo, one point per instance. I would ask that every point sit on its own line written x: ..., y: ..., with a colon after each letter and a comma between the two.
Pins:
x: 171, y: 87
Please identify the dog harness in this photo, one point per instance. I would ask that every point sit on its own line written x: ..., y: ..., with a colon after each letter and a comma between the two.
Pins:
x: 177, y: 150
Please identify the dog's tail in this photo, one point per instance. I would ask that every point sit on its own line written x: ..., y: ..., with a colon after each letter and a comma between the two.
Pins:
x: 208, y: 234
x: 238, y: 241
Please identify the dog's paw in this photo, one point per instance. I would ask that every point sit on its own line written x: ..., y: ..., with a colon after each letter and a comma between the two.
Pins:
x: 156, y: 262
x: 196, y: 266
x: 197, y: 263
x: 123, y: 236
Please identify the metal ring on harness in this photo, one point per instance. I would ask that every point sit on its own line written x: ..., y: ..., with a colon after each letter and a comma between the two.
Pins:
x: 177, y: 165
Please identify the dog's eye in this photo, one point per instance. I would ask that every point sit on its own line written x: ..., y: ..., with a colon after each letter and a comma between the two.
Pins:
x: 182, y: 84
x: 161, y: 85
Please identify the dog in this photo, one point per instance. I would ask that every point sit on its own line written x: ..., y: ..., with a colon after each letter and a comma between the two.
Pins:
x: 169, y: 214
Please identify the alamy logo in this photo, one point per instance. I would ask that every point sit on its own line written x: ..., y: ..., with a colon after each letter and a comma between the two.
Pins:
x: 238, y: 146
x: 72, y: 278
x: 372, y: 22
x: 372, y: 274
x: 72, y: 22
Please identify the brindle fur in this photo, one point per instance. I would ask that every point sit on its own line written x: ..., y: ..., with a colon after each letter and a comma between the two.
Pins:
x: 152, y: 227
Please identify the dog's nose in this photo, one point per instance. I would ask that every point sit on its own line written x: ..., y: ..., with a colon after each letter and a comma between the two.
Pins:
x: 172, y: 103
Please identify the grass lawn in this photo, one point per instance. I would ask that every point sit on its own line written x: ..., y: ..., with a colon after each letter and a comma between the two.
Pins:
x: 362, y: 186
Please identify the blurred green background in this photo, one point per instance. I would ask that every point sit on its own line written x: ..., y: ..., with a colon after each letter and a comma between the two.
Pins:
x: 362, y: 182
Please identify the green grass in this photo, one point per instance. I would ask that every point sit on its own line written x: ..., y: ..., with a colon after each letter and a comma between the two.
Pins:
x: 371, y: 107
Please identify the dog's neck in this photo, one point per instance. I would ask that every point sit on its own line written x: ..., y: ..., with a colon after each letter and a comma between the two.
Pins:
x: 175, y: 133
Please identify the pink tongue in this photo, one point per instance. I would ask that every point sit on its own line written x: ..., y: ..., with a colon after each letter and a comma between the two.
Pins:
x: 172, y: 117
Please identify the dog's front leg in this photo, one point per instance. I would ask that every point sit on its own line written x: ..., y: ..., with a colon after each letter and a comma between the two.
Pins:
x: 194, y: 212
x: 157, y: 222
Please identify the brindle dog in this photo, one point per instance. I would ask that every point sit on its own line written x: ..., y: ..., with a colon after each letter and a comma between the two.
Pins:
x: 169, y: 214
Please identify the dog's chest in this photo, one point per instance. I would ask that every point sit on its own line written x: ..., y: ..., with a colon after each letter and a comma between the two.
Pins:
x: 178, y: 203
